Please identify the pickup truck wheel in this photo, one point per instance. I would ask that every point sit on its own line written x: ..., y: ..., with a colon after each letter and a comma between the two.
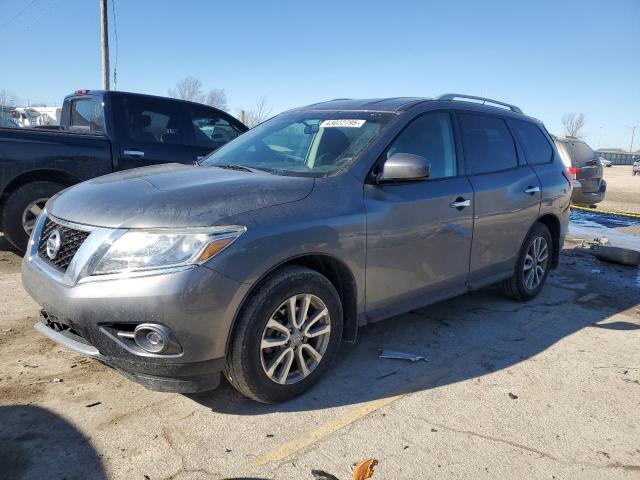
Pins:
x: 286, y: 337
x: 21, y: 209
x: 533, y: 265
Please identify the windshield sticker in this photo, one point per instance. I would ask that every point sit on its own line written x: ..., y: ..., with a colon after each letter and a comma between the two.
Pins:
x: 342, y: 123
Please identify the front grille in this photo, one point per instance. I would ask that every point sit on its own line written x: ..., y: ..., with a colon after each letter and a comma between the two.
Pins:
x: 70, y: 241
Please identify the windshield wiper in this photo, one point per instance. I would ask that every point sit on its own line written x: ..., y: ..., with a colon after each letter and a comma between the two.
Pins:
x: 239, y: 168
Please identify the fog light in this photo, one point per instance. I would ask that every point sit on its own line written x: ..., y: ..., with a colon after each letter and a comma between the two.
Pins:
x: 152, y: 338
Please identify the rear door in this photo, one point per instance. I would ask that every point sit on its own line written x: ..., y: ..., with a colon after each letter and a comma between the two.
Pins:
x: 506, y: 195
x: 150, y: 131
x: 209, y: 130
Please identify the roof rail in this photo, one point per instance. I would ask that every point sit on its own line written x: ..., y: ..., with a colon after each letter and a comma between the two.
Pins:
x: 454, y: 96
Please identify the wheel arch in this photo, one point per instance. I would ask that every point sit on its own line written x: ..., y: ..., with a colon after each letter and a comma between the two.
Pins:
x: 39, y: 175
x: 553, y: 224
x: 335, y: 270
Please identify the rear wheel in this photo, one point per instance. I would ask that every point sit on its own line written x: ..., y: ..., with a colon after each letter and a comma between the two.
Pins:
x: 287, y: 335
x: 534, y: 263
x: 21, y: 209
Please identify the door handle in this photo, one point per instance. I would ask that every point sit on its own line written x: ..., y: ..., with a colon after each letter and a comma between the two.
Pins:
x: 531, y: 190
x: 460, y: 203
x: 134, y: 153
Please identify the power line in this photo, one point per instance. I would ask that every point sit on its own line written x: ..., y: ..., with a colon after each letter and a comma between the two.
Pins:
x: 6, y: 24
x: 115, y: 31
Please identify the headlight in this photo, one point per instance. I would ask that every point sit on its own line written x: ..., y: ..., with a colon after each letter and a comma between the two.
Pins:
x: 141, y: 250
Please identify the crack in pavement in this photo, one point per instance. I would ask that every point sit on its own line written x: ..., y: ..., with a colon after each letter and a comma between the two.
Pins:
x: 520, y: 446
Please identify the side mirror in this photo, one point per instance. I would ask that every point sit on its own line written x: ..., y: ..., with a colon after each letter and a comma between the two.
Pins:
x: 404, y: 167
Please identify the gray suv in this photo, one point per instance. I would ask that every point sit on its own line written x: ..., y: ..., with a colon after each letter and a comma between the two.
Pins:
x: 258, y: 261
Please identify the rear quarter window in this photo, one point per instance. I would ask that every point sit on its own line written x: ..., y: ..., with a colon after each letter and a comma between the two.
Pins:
x: 533, y: 142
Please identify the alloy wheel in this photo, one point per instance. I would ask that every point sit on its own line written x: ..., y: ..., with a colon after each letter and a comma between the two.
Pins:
x: 295, y: 339
x: 535, y: 263
x: 30, y: 214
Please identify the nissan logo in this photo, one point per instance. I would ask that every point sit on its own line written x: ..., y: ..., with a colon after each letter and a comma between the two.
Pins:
x: 53, y: 244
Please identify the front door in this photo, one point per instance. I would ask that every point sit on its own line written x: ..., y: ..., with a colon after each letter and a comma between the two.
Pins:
x: 506, y: 196
x: 419, y: 234
x: 154, y: 132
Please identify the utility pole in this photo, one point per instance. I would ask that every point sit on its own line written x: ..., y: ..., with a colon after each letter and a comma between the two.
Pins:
x: 633, y: 133
x: 104, y: 37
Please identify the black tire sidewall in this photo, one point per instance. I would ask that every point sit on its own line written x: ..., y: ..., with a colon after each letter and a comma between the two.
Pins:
x: 254, y: 318
x: 537, y: 230
x: 15, y: 205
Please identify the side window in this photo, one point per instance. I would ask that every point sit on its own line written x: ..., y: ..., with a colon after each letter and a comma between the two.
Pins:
x: 488, y: 144
x: 533, y: 142
x: 211, y: 130
x: 431, y: 137
x: 153, y: 121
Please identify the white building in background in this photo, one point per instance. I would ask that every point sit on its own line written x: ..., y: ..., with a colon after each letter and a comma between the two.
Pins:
x: 35, y: 116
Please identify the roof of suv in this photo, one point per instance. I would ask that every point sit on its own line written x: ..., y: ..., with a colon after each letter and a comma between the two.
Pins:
x: 400, y: 104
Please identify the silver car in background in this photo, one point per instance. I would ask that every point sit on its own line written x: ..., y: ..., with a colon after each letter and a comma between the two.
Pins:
x: 257, y: 262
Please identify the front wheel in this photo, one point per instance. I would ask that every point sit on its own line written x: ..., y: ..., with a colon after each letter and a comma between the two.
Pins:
x: 287, y: 335
x: 22, y: 207
x: 534, y: 263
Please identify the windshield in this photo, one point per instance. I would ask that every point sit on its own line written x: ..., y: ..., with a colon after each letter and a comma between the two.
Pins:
x: 302, y: 143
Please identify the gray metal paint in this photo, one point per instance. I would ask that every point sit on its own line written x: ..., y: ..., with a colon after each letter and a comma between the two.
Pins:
x: 174, y: 195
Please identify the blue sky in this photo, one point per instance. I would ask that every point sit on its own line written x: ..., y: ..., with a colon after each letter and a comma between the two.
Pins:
x: 548, y: 57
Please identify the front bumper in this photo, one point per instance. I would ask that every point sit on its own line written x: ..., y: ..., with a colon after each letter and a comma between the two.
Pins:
x: 197, y: 304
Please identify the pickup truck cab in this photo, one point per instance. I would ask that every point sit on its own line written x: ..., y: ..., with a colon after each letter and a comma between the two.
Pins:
x: 100, y: 132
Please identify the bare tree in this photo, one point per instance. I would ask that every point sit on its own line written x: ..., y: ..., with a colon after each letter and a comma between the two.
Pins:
x: 189, y: 88
x: 217, y: 98
x: 257, y: 114
x: 573, y: 123
x: 7, y: 99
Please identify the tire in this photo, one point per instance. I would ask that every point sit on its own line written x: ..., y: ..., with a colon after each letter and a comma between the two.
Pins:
x: 247, y: 362
x: 517, y: 286
x: 16, y: 206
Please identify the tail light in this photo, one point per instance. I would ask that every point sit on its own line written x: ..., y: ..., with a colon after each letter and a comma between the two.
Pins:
x: 573, y: 171
x: 569, y: 175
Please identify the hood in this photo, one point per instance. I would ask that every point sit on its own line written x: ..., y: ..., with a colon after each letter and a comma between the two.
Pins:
x: 174, y: 195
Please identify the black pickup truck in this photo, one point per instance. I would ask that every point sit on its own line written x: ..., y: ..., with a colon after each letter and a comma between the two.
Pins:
x: 100, y: 132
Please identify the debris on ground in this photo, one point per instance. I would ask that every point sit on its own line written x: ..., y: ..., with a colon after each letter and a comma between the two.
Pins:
x: 392, y: 354
x: 596, y: 242
x: 322, y: 475
x: 57, y: 380
x: 623, y: 256
x: 95, y: 404
x: 513, y: 396
x: 386, y: 375
x: 364, y: 469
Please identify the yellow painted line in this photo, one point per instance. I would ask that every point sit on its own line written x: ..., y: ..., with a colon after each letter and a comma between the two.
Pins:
x: 606, y: 212
x: 360, y: 411
x: 588, y: 296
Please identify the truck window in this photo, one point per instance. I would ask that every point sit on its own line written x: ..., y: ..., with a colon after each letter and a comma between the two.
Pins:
x: 152, y: 121
x: 211, y: 130
x: 87, y: 114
